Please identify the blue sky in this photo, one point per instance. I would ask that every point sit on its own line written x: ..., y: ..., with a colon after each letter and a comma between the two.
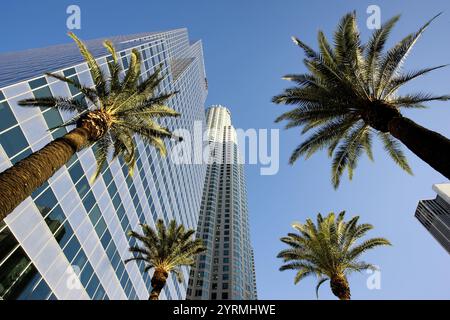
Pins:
x: 247, y: 49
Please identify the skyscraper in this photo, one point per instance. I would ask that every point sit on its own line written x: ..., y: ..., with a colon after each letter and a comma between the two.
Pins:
x: 435, y: 215
x: 226, y: 270
x: 70, y: 229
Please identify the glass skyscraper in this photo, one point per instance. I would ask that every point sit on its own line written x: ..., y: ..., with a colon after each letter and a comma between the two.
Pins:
x: 434, y: 215
x: 68, y: 240
x: 226, y: 271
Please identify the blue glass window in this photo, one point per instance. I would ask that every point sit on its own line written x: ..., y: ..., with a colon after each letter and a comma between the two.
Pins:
x: 55, y: 220
x: 7, y: 118
x: 95, y: 215
x: 72, y: 248
x: 13, y: 141
x: 80, y: 260
x: 64, y: 234
x: 76, y: 172
x: 46, y: 201
x: 18, y: 276
x: 89, y: 201
x: 106, y: 238
x: 92, y: 286
x: 100, y: 227
x: 82, y: 187
x: 69, y: 72
x: 58, y: 133
x: 42, y: 93
x: 37, y: 83
x: 52, y: 117
x: 86, y: 274
x: 40, y: 292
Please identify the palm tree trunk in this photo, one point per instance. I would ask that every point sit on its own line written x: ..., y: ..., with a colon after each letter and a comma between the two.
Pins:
x: 430, y: 146
x: 18, y: 182
x: 158, y: 282
x: 340, y: 287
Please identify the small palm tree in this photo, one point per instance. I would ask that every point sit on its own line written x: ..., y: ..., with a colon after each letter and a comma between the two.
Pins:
x: 121, y: 109
x: 351, y: 92
x: 327, y: 250
x: 165, y: 251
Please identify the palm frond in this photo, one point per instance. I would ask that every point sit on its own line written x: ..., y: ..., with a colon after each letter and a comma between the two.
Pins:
x: 90, y: 93
x: 394, y: 150
x: 101, y: 155
x: 319, y: 283
x: 113, y: 66
x: 395, y: 58
x: 96, y: 72
x: 60, y: 103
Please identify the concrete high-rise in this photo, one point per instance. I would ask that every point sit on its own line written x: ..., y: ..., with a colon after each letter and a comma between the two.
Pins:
x: 226, y: 271
x: 70, y: 229
x: 434, y: 215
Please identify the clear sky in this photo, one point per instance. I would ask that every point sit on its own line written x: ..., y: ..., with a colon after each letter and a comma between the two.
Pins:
x: 247, y: 49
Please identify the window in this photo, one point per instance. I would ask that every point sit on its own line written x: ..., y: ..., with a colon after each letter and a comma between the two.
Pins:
x: 225, y: 295
x: 52, y: 117
x: 55, y: 219
x: 46, y: 201
x: 95, y: 215
x: 92, y: 286
x: 7, y: 118
x: 43, y: 92
x: 89, y: 201
x: 71, y: 73
x: 37, y: 83
x: 19, y: 279
x: 80, y: 260
x: 82, y: 187
x: 63, y: 234
x: 76, y: 172
x: 100, y: 227
x: 38, y: 292
x: 86, y: 274
x: 13, y: 141
x: 106, y: 238
x: 72, y: 248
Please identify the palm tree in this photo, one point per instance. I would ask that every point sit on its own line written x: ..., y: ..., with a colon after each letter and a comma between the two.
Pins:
x: 351, y: 92
x: 120, y: 109
x: 165, y: 250
x: 328, y: 251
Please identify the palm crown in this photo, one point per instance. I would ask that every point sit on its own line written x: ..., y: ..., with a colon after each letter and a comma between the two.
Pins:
x: 165, y: 250
x: 328, y: 250
x: 120, y: 107
x: 349, y: 90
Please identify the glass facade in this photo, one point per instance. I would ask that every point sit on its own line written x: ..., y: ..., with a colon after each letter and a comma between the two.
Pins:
x: 226, y: 270
x: 71, y: 231
x: 434, y: 215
